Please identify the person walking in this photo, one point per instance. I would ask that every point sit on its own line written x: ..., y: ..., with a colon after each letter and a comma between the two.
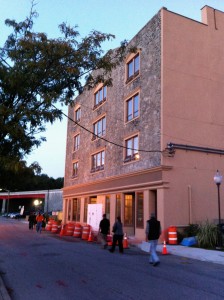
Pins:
x: 32, y: 220
x: 104, y: 230
x: 153, y: 231
x: 39, y: 219
x: 118, y: 235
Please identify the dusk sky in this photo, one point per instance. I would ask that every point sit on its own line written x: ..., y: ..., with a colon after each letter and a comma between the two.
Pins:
x: 123, y: 18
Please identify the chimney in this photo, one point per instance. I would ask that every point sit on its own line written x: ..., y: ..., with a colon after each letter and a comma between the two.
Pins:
x: 208, y: 16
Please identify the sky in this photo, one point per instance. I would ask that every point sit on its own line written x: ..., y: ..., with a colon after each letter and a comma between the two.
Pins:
x: 123, y: 18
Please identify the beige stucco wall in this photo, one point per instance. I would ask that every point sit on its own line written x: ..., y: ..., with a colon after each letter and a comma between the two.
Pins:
x: 192, y: 113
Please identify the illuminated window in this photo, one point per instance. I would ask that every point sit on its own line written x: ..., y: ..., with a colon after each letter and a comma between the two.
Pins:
x: 76, y: 142
x: 76, y: 209
x: 118, y: 205
x: 93, y: 200
x: 131, y: 148
x: 128, y: 210
x: 132, y: 108
x: 133, y: 67
x: 86, y: 202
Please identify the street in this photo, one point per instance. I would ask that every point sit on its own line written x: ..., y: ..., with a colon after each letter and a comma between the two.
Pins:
x: 47, y: 266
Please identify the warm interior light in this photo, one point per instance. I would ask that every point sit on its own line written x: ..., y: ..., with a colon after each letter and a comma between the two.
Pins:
x: 137, y: 155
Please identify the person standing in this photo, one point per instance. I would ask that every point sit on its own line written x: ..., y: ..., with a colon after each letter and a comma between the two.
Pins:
x: 39, y: 219
x: 118, y: 235
x: 104, y: 230
x: 153, y: 231
x: 32, y: 220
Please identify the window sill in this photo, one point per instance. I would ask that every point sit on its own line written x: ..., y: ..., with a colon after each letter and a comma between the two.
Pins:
x: 135, y: 119
x: 99, y: 104
x: 131, y: 78
x: 130, y: 158
x: 97, y: 137
x: 101, y: 168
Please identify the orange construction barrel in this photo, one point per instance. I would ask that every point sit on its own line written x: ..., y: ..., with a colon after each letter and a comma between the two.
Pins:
x: 77, y: 230
x: 70, y: 229
x: 172, y: 235
x: 54, y: 227
x: 85, y: 232
x: 49, y: 225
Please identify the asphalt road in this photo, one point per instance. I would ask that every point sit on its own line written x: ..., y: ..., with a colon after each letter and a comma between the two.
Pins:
x: 47, y: 266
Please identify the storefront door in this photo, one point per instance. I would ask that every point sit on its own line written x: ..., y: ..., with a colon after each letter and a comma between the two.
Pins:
x: 129, y: 213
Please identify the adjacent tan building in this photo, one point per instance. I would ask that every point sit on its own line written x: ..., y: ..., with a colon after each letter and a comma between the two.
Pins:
x: 159, y: 130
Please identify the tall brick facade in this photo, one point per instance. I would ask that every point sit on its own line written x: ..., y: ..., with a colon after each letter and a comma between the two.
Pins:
x: 147, y: 125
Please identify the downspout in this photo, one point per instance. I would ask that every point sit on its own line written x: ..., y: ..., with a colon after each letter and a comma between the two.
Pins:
x: 189, y: 204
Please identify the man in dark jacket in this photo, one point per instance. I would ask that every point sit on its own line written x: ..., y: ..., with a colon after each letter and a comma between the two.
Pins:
x: 153, y: 231
x: 104, y: 230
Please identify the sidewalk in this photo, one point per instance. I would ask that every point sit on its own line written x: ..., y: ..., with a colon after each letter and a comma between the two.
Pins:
x: 214, y: 256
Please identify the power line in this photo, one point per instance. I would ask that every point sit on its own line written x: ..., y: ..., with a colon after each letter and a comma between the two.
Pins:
x: 100, y: 137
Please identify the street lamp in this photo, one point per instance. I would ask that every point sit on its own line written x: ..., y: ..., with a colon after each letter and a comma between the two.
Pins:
x: 37, y: 203
x: 218, y: 180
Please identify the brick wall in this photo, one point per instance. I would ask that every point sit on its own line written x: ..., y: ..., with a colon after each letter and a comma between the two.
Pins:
x: 148, y: 40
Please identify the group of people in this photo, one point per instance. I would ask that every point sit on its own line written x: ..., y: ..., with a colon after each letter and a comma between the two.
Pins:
x: 118, y: 234
x: 153, y: 232
x: 36, y: 220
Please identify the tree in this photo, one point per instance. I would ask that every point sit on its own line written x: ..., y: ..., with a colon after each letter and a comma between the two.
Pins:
x: 38, y: 73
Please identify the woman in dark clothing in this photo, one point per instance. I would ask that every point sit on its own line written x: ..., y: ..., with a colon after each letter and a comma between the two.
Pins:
x: 118, y: 235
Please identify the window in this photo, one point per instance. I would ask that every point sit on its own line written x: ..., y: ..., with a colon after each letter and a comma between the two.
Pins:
x: 93, y: 200
x: 69, y: 209
x: 132, y: 107
x: 107, y: 207
x: 75, y: 169
x: 76, y: 209
x: 86, y: 202
x: 131, y: 149
x: 99, y: 128
x: 76, y: 142
x: 128, y: 210
x: 98, y: 161
x: 100, y: 96
x: 78, y: 114
x: 133, y: 68
x: 140, y: 211
x: 118, y: 205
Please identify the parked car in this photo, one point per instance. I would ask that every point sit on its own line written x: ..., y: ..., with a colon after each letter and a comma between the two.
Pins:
x: 14, y: 215
x: 5, y: 215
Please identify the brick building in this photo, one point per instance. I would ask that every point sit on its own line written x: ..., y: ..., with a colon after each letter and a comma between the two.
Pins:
x: 163, y: 118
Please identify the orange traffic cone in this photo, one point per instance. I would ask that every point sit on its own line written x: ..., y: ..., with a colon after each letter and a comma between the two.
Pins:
x: 125, y: 242
x: 109, y: 240
x: 164, y: 252
x: 90, y: 238
x: 62, y: 232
